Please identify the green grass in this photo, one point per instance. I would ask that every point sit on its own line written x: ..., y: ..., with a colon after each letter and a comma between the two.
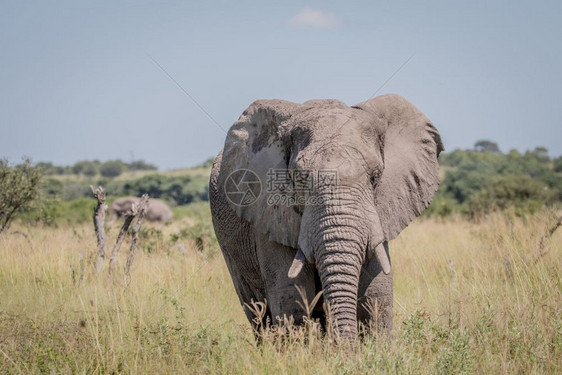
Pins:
x: 469, y: 298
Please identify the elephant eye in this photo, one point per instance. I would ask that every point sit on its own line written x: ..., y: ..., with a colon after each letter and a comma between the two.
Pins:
x: 375, y: 175
x: 287, y: 154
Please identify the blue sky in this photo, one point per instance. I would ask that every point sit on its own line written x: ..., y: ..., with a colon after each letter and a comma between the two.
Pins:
x: 77, y: 80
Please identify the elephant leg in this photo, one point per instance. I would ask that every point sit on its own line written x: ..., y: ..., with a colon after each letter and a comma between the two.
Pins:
x: 239, y: 251
x: 375, y: 298
x: 249, y: 292
x: 282, y: 294
x: 237, y: 241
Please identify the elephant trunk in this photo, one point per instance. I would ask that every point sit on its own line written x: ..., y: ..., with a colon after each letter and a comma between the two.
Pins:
x: 339, y: 273
x: 339, y: 245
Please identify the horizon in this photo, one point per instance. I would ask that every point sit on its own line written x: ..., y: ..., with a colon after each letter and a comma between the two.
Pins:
x: 211, y: 158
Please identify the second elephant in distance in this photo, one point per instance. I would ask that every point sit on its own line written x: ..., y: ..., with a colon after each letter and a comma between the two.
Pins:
x: 158, y: 211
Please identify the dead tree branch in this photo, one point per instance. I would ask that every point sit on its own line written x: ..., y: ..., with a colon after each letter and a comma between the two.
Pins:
x: 99, y: 221
x: 138, y: 211
x: 124, y: 228
x: 540, y: 248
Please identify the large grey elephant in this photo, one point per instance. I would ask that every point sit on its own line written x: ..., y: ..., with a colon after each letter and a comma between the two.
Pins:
x: 310, y: 194
x: 157, y: 211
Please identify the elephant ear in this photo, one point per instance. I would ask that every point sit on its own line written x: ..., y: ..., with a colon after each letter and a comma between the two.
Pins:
x: 257, y: 145
x: 411, y: 146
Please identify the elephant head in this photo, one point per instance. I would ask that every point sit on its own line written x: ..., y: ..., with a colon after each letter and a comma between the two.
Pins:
x: 372, y: 167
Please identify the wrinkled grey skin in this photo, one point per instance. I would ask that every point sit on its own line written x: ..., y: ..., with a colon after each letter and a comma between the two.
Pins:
x: 158, y: 211
x: 385, y: 153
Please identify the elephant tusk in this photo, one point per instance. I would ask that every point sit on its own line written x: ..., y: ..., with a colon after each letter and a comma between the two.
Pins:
x: 382, y: 257
x: 296, y: 266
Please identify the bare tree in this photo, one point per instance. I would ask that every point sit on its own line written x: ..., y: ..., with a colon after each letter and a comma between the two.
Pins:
x: 140, y: 211
x: 137, y: 210
x: 99, y: 222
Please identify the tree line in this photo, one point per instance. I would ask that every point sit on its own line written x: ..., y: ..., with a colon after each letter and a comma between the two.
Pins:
x: 91, y: 168
x: 473, y: 183
x: 484, y: 180
x: 176, y: 190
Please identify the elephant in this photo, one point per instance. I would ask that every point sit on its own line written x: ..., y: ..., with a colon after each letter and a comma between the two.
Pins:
x: 309, y: 195
x: 157, y: 211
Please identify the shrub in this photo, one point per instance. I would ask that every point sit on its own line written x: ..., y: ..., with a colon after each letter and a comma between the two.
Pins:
x: 522, y: 193
x: 481, y: 182
x: 52, y: 188
x: 558, y: 165
x: 19, y: 189
x: 202, y: 235
x: 53, y: 212
x: 178, y: 189
x: 112, y: 168
x: 442, y: 206
x: 89, y: 168
x: 74, y: 190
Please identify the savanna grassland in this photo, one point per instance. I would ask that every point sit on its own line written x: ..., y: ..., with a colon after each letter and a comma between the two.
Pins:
x: 470, y: 297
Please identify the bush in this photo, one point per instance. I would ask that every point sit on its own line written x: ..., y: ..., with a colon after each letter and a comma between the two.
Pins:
x: 50, y: 169
x: 67, y: 190
x: 112, y: 168
x: 481, y: 182
x: 521, y: 193
x: 88, y: 168
x: 52, y: 188
x: 60, y: 170
x: 178, y: 189
x: 442, y: 206
x: 202, y: 235
x: 558, y: 165
x: 53, y: 212
x: 19, y: 189
x: 74, y: 190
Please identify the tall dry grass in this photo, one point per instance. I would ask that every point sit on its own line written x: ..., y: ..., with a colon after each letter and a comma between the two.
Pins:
x: 469, y: 298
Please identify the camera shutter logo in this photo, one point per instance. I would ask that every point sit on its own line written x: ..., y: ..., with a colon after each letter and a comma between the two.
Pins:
x: 242, y: 187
